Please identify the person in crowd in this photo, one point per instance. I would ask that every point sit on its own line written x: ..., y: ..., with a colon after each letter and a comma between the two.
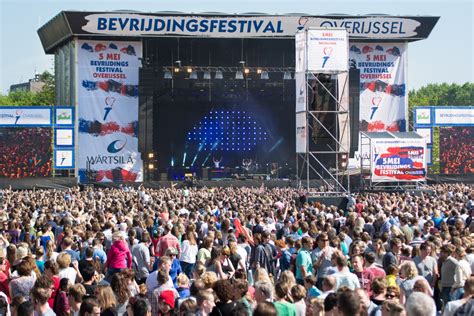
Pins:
x: 189, y: 251
x: 141, y: 258
x: 321, y: 257
x: 75, y: 296
x: 392, y: 256
x: 298, y: 295
x: 344, y: 278
x: 90, y: 307
x: 65, y: 269
x: 426, y: 264
x: 168, y: 240
x: 205, y: 303
x: 448, y: 270
x: 283, y: 300
x: 409, y: 276
x: 106, y: 299
x: 452, y: 306
x: 304, y: 265
x: 263, y: 291
x: 119, y: 256
x: 265, y: 309
x: 419, y: 303
x: 378, y: 290
x: 22, y: 285
x: 461, y: 274
x: 39, y: 297
x: 225, y: 294
x: 61, y: 302
x: 310, y: 286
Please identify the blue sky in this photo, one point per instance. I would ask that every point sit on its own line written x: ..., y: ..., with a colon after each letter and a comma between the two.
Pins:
x: 446, y: 56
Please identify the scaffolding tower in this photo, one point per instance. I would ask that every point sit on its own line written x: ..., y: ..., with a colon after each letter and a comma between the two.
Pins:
x: 327, y: 162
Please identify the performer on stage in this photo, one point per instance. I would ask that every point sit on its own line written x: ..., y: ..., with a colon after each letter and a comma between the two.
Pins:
x: 274, y: 170
x: 246, y: 165
x: 216, y: 162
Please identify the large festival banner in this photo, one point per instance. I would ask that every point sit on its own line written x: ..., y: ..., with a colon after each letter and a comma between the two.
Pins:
x: 327, y: 50
x: 383, y: 92
x: 108, y: 111
x: 398, y: 159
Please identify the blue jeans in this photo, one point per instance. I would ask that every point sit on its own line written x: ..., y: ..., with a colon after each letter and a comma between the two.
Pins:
x: 187, y: 268
x: 445, y: 295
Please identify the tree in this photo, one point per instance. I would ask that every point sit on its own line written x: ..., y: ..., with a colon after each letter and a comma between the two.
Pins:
x: 439, y: 95
x: 25, y: 98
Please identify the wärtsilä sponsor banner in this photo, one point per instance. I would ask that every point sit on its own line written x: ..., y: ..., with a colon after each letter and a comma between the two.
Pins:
x: 108, y: 111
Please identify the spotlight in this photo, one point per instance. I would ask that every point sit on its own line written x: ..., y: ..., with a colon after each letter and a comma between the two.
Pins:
x: 189, y: 70
x: 264, y: 75
x: 151, y: 166
x: 239, y: 75
x: 168, y: 75
x: 193, y: 75
x: 151, y: 155
x: 178, y: 65
x: 207, y: 75
x: 287, y: 75
x: 259, y: 71
x: 246, y: 71
x: 218, y: 75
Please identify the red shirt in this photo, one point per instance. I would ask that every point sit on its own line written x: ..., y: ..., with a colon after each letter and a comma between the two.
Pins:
x: 365, y: 278
x: 53, y: 295
x: 376, y: 271
x: 166, y: 242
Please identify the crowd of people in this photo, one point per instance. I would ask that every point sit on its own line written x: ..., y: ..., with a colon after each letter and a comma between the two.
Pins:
x: 456, y: 148
x: 25, y: 152
x: 236, y: 252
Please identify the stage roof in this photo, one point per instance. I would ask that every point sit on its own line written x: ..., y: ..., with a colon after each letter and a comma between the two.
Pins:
x: 129, y: 25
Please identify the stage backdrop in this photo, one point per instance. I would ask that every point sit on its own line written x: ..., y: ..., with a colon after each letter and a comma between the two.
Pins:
x: 398, y: 160
x: 383, y: 93
x: 108, y: 111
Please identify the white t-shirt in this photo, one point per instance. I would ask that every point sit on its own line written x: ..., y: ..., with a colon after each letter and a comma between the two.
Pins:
x: 68, y: 273
x: 188, y: 252
x: 346, y: 278
x: 452, y: 306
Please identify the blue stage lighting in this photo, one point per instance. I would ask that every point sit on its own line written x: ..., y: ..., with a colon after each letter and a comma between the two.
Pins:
x: 234, y: 125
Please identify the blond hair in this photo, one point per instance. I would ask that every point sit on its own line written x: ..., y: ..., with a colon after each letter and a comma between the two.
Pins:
x: 182, y: 280
x: 106, y: 297
x: 261, y: 275
x: 63, y: 260
x: 117, y: 236
x: 209, y: 278
x: 409, y: 270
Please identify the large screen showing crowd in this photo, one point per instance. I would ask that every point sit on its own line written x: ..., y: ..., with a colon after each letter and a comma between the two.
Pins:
x: 456, y: 145
x: 25, y: 152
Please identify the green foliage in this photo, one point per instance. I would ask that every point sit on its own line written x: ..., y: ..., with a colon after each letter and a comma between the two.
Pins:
x: 25, y: 98
x: 439, y: 95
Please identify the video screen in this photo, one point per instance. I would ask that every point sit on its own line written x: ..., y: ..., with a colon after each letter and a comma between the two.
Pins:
x: 25, y: 152
x: 456, y: 147
x: 241, y: 124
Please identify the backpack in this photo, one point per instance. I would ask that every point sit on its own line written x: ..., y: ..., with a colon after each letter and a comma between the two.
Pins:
x: 293, y: 263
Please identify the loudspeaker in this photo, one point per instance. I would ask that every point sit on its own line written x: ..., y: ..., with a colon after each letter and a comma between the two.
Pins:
x: 354, y: 109
x: 205, y: 173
